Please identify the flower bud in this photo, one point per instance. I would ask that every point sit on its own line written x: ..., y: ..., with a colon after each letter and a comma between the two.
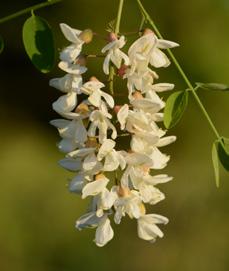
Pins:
x: 86, y: 35
x: 147, y: 31
x: 99, y: 176
x: 123, y: 191
x: 81, y: 60
x: 117, y: 108
x: 93, y: 78
x: 91, y: 143
x: 82, y: 108
x: 137, y: 95
x: 122, y: 70
x: 112, y: 37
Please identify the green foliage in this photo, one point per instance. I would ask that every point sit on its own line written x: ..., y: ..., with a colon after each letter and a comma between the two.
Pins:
x: 175, y: 107
x: 215, y: 161
x: 223, y: 152
x: 39, y: 43
x: 1, y: 44
x: 213, y: 86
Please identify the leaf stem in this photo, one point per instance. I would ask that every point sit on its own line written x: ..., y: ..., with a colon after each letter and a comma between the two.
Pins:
x: 181, y: 71
x: 117, y: 29
x: 119, y: 16
x: 27, y: 10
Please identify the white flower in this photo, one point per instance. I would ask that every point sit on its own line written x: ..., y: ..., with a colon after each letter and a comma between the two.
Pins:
x: 146, y: 50
x: 90, y: 163
x: 112, y: 158
x: 147, y: 228
x: 100, y: 120
x: 104, y: 232
x: 129, y: 203
x: 65, y: 103
x: 139, y: 80
x: 68, y: 83
x: 115, y: 55
x: 134, y: 160
x: 95, y: 187
x: 105, y: 200
x: 93, y: 89
x: 74, y: 69
x: 70, y: 53
x: 145, y: 184
x: 73, y: 132
x: 159, y: 160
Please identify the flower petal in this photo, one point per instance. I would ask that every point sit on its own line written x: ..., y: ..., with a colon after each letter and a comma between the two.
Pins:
x: 104, y: 232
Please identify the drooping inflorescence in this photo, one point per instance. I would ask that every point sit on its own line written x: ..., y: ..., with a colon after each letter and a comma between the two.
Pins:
x: 119, y: 181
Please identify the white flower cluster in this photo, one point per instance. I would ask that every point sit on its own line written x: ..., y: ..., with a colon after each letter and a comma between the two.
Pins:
x: 88, y: 131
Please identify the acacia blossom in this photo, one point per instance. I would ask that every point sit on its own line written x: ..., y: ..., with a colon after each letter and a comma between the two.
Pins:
x: 118, y: 181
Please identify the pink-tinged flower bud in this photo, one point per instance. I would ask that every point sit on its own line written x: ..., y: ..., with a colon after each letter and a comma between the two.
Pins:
x: 93, y: 78
x: 123, y: 191
x: 86, y: 35
x: 137, y: 95
x: 147, y: 31
x: 111, y: 37
x: 122, y: 70
x: 117, y: 108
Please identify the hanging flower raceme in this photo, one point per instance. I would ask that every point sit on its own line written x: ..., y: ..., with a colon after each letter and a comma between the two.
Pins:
x: 118, y: 181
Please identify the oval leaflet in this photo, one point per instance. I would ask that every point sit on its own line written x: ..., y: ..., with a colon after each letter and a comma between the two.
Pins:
x: 175, y: 107
x: 39, y: 43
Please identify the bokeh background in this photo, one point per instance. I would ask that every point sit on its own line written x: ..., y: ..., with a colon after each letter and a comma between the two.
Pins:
x: 38, y: 213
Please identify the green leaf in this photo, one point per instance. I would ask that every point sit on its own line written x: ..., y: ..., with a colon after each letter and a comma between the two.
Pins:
x: 175, y: 107
x: 215, y: 161
x: 223, y: 152
x: 213, y: 86
x: 1, y: 44
x: 39, y: 43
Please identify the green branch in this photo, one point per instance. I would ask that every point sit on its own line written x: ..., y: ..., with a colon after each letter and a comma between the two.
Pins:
x: 28, y: 10
x: 181, y: 71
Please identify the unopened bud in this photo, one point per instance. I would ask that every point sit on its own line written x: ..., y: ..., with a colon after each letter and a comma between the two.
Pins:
x: 81, y: 60
x: 147, y: 31
x: 112, y: 36
x: 123, y: 191
x: 122, y: 70
x: 82, y: 108
x: 137, y: 95
x: 86, y: 35
x: 93, y: 78
x: 99, y: 176
x: 91, y: 143
x: 117, y: 108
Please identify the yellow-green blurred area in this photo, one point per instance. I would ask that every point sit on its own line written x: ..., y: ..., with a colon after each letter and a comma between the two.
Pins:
x: 38, y: 213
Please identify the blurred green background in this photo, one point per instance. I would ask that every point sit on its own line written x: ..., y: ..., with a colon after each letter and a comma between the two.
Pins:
x: 38, y: 213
